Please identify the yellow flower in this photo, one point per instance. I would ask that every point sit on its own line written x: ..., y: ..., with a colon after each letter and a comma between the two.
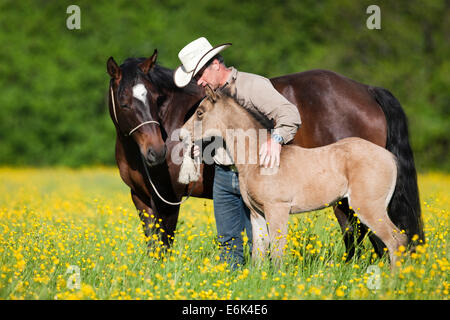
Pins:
x: 340, y: 292
x: 87, y: 291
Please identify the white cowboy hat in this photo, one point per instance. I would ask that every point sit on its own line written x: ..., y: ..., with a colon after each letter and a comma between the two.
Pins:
x: 193, y: 57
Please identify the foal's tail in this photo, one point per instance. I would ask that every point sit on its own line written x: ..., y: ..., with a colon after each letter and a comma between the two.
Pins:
x: 404, y: 208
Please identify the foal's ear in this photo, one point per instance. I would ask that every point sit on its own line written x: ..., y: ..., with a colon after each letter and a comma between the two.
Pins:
x: 148, y: 63
x: 210, y: 94
x: 113, y: 69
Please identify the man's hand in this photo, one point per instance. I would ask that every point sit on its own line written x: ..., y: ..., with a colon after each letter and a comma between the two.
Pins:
x: 196, y: 150
x: 269, y: 154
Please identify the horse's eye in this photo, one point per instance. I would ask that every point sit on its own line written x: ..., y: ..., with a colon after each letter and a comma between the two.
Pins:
x: 124, y: 106
x: 199, y: 113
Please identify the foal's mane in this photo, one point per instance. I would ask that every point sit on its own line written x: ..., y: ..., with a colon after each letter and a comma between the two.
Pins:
x: 254, y: 114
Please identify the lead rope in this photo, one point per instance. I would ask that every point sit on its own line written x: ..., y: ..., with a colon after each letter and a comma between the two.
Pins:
x: 143, y: 160
x: 156, y: 191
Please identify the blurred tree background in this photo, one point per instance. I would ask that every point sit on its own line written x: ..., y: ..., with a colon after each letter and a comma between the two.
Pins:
x: 54, y: 83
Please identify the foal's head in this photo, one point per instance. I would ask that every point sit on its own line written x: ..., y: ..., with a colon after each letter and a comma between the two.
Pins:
x: 218, y: 112
x: 133, y: 106
x: 210, y: 118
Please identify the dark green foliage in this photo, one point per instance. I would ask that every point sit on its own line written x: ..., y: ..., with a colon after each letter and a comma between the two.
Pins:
x: 54, y: 82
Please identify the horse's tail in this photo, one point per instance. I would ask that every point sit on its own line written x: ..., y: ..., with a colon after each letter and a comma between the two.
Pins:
x: 404, y: 208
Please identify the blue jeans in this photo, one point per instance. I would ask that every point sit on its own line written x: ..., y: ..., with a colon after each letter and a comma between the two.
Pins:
x: 232, y: 216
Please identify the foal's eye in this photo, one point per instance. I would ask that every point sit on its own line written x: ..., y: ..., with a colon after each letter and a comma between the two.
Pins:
x: 199, y: 113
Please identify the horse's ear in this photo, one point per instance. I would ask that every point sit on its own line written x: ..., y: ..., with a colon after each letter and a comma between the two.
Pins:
x: 148, y: 63
x: 210, y: 94
x: 113, y: 69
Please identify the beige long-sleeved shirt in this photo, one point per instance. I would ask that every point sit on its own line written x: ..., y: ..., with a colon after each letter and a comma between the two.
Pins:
x: 257, y: 94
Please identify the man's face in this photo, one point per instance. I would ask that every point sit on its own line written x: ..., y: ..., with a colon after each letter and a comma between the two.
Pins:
x: 209, y: 75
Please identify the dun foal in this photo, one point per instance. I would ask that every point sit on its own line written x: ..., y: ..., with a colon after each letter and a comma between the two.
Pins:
x: 306, y: 180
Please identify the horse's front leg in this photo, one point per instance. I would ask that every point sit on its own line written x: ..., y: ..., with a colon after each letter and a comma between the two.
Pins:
x: 148, y: 219
x: 158, y: 220
x: 167, y: 219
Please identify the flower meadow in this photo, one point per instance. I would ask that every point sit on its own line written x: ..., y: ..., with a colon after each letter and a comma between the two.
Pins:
x: 75, y: 234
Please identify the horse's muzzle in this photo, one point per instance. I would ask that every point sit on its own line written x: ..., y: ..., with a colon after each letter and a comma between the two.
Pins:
x: 154, y: 158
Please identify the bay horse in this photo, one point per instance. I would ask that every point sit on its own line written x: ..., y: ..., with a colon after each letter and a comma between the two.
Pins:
x: 331, y: 106
x: 307, y: 178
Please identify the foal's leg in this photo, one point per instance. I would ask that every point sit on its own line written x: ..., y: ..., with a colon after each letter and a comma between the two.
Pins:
x: 260, y: 236
x: 277, y: 216
x: 375, y: 216
x: 349, y: 227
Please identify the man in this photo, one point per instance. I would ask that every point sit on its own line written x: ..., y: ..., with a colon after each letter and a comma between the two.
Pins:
x: 202, y: 62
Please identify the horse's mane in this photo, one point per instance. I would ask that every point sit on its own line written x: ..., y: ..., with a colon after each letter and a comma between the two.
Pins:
x: 161, y: 77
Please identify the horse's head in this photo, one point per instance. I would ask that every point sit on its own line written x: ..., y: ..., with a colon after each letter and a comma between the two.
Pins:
x: 133, y: 106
